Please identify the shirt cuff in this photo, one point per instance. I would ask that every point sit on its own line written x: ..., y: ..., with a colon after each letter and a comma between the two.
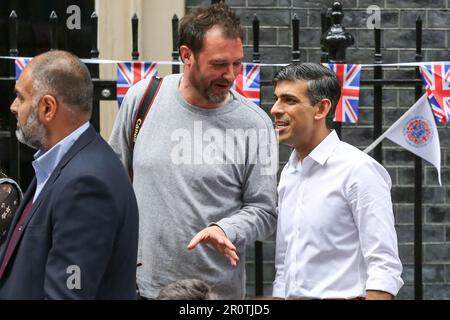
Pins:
x: 279, y: 289
x: 227, y: 228
x: 388, y: 284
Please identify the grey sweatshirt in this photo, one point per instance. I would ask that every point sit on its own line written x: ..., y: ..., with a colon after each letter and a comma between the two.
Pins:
x: 194, y: 167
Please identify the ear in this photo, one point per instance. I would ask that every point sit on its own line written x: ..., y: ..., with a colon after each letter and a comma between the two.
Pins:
x: 48, y: 106
x: 186, y: 54
x: 324, y: 107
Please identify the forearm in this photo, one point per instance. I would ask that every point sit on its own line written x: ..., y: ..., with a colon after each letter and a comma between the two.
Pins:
x: 248, y: 224
x: 378, y: 295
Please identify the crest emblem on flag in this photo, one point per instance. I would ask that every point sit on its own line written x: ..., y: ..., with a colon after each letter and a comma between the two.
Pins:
x: 20, y: 64
x: 436, y: 78
x: 248, y: 82
x: 129, y: 73
x: 349, y: 78
x: 417, y: 131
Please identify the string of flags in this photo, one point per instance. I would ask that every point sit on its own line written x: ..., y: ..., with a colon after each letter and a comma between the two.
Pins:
x: 247, y: 83
x: 415, y: 131
x: 436, y: 78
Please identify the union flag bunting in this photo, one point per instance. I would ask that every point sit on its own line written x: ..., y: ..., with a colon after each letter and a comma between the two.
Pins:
x: 248, y: 82
x: 129, y: 73
x: 20, y: 64
x: 349, y: 76
x: 436, y: 78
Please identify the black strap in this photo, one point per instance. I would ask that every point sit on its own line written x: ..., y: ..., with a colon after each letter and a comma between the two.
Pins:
x: 144, y: 107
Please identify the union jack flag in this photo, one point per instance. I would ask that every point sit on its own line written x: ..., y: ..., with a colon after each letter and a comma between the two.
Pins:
x: 436, y: 78
x: 129, y: 73
x: 20, y: 64
x: 248, y: 82
x: 348, y: 76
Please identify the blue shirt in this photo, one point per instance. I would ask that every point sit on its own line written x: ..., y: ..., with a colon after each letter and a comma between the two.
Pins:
x: 46, y: 162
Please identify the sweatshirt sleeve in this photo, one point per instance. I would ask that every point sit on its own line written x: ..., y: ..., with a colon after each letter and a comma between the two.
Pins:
x: 256, y: 219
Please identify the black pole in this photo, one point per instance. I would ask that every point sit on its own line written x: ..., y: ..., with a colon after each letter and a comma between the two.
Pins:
x: 324, y: 23
x: 328, y: 21
x: 53, y: 31
x: 95, y: 70
x: 259, y: 266
x: 378, y: 98
x: 418, y: 286
x: 256, y: 55
x: 134, y: 31
x: 14, y: 146
x: 13, y: 30
x: 295, y: 39
x: 336, y: 40
x: 175, y: 39
x: 94, y: 37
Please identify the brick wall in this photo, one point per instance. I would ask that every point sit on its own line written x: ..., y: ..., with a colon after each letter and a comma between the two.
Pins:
x: 398, y: 45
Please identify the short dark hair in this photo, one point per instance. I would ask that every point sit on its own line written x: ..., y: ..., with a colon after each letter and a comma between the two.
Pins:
x: 187, y: 289
x: 195, y: 24
x: 322, y: 83
x: 63, y: 75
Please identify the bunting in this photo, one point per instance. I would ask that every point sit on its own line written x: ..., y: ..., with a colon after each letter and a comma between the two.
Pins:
x: 349, y: 78
x: 129, y: 73
x: 248, y: 82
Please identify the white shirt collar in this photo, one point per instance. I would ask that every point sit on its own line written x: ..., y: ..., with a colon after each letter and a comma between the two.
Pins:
x: 320, y: 153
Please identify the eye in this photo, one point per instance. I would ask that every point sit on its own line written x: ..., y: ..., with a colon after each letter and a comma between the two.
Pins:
x: 19, y: 96
x: 220, y: 64
x: 290, y: 101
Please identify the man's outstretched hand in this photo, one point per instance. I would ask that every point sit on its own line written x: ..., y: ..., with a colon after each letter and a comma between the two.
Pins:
x: 215, y: 236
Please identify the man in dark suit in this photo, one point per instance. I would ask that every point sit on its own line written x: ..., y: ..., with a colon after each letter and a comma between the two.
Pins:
x: 75, y: 234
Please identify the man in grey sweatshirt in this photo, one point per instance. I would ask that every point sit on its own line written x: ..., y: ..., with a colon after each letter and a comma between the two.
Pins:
x: 204, y: 164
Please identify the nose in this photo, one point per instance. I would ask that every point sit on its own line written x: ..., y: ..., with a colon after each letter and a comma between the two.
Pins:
x: 231, y: 73
x: 276, y: 109
x: 13, y: 106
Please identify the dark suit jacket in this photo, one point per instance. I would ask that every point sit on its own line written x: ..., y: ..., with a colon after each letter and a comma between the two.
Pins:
x: 84, y: 223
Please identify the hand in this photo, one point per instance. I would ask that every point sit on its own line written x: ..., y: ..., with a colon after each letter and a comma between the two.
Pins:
x: 217, y: 238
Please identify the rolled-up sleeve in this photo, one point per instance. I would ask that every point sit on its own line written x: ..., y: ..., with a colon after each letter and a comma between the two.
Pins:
x: 370, y: 200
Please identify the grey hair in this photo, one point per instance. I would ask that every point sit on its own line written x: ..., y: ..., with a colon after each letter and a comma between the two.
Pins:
x: 64, y: 76
x: 187, y: 289
x: 322, y: 83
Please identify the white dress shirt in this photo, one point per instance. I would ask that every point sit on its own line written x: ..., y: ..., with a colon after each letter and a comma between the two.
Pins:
x: 335, y: 233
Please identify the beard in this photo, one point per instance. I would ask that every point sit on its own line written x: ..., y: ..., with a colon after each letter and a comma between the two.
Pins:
x: 206, y: 89
x: 216, y: 97
x: 33, y: 132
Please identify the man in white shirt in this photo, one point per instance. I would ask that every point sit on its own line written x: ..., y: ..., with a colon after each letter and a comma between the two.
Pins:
x: 335, y: 235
